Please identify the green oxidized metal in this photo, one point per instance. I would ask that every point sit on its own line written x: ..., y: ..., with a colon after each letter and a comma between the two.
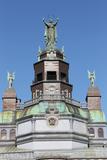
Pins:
x: 97, y: 116
x: 42, y: 106
x: 6, y: 117
x: 62, y: 107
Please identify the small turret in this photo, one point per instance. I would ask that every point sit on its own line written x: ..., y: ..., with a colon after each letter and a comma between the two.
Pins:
x: 9, y: 98
x: 93, y: 97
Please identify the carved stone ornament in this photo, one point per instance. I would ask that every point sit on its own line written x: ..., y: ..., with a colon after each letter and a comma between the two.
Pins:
x: 52, y: 121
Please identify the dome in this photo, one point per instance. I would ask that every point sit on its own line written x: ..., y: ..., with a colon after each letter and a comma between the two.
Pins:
x: 44, y: 107
x: 93, y: 92
x: 9, y: 92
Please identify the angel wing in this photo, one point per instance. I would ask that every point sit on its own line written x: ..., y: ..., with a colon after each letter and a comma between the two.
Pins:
x: 8, y: 76
x: 89, y: 73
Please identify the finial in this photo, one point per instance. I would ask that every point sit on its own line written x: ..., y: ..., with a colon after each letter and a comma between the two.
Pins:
x: 92, y: 77
x: 50, y: 33
x: 10, y: 78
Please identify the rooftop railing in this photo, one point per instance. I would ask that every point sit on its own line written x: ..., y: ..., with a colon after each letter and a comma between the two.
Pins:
x: 53, y: 98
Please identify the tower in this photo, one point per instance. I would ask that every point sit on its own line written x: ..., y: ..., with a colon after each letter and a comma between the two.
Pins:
x: 9, y: 98
x: 52, y: 120
x: 93, y: 97
x: 97, y: 123
x: 51, y: 70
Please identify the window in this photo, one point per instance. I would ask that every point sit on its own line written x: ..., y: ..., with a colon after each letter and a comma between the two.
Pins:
x: 39, y: 77
x: 51, y: 75
x: 91, y: 131
x: 3, y: 134
x: 12, y: 134
x: 100, y: 132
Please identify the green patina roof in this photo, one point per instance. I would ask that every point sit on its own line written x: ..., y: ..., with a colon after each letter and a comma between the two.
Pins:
x: 18, y: 114
x: 6, y: 117
x: 83, y: 112
x: 97, y: 116
x: 78, y: 111
x: 42, y: 107
x: 9, y: 116
x: 62, y: 107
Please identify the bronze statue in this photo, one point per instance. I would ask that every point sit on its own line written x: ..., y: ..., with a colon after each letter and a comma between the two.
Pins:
x: 50, y: 33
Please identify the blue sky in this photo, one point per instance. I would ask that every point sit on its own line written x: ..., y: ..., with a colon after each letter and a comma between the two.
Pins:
x: 82, y: 29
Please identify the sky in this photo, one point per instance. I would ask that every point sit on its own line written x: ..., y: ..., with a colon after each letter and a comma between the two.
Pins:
x: 82, y: 30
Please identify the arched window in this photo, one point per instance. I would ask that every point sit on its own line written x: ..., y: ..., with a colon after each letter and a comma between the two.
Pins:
x: 91, y: 131
x: 100, y: 132
x: 12, y: 134
x: 3, y: 134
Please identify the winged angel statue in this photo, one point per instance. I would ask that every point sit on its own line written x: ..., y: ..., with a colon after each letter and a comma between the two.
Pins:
x: 92, y: 77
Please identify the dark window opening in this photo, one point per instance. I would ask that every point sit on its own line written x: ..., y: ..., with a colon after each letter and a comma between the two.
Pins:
x: 3, y: 134
x: 100, y: 132
x: 91, y: 131
x: 51, y: 75
x: 39, y: 77
x: 12, y: 134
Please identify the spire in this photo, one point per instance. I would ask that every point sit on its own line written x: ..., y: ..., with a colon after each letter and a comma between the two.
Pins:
x: 91, y: 77
x: 50, y: 34
x: 10, y: 78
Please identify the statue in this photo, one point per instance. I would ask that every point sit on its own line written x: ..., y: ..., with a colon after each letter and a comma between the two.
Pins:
x: 10, y: 78
x: 50, y: 33
x: 91, y: 76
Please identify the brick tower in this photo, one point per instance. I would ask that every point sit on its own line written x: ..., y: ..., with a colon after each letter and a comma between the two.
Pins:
x: 9, y: 98
x: 93, y: 97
